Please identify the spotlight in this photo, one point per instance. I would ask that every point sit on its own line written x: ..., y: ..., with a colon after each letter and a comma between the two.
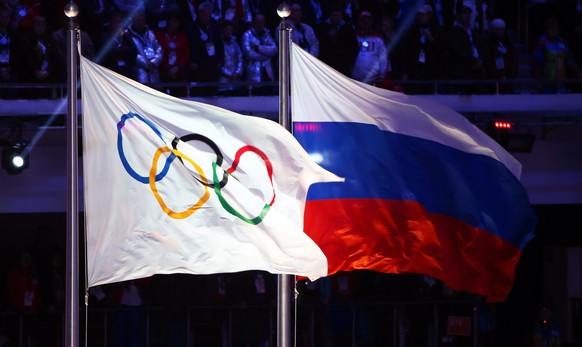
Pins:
x: 15, y: 158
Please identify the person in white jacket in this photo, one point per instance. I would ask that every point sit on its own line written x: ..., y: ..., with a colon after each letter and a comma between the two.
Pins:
x: 302, y: 34
x: 372, y: 61
x: 232, y: 68
x: 149, y: 51
x: 258, y: 49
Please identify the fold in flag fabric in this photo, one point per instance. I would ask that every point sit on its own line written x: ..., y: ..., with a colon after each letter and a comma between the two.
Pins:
x: 175, y: 186
x: 425, y: 190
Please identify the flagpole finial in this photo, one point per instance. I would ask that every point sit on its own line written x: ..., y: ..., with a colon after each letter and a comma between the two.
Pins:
x: 71, y: 10
x: 284, y: 10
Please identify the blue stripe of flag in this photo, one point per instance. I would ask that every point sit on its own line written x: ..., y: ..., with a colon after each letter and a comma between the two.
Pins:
x: 475, y: 189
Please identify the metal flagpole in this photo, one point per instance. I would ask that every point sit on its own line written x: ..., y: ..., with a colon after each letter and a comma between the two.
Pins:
x: 285, y: 286
x: 72, y: 282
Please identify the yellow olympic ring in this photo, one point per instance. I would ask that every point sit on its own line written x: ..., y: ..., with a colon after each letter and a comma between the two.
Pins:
x: 152, y: 181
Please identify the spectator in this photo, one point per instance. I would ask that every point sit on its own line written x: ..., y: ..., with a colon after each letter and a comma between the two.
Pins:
x: 149, y: 51
x: 23, y: 295
x: 387, y: 32
x: 174, y: 65
x: 480, y: 14
x: 226, y: 10
x: 10, y: 53
x: 157, y: 13
x: 266, y: 8
x: 575, y: 41
x: 23, y: 289
x: 188, y: 10
x: 338, y: 291
x: 52, y: 286
x: 58, y: 42
x: 206, y: 49
x: 215, y: 294
x: 372, y: 60
x: 129, y: 298
x: 312, y: 11
x: 116, y: 49
x: 487, y: 324
x: 386, y: 29
x: 96, y: 15
x: 466, y: 51
x: 310, y: 318
x: 485, y: 9
x: 255, y: 296
x: 545, y: 332
x: 553, y: 60
x: 351, y: 9
x: 175, y: 294
x: 502, y: 56
x: 232, y: 68
x: 25, y: 12
x: 422, y: 51
x: 538, y: 12
x: 337, y: 41
x: 53, y: 282
x: 443, y: 12
x: 233, y: 12
x: 238, y: 12
x: 258, y: 49
x: 217, y: 10
x: 302, y: 34
x: 37, y: 66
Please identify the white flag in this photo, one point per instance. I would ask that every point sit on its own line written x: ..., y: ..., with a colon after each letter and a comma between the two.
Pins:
x: 175, y: 186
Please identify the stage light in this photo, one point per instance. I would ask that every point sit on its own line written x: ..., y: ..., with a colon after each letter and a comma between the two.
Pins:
x: 15, y: 158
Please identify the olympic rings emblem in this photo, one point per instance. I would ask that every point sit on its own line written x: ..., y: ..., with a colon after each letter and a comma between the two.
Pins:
x: 217, y: 185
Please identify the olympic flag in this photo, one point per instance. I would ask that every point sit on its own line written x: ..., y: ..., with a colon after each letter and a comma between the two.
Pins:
x: 425, y: 192
x: 174, y: 186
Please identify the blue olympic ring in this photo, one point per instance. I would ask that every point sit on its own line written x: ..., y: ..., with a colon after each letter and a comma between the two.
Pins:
x: 128, y: 168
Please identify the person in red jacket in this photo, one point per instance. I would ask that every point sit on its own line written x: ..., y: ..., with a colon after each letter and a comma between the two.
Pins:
x: 23, y: 290
x: 23, y: 295
x: 176, y: 51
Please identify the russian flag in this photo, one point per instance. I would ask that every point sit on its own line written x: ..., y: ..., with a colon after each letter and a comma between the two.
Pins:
x: 425, y: 190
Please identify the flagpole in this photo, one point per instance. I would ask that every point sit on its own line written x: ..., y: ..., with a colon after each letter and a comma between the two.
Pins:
x: 72, y: 281
x: 285, y: 288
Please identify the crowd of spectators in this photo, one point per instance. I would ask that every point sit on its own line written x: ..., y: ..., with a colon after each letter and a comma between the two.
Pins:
x: 33, y: 284
x: 373, y: 41
x: 169, y: 310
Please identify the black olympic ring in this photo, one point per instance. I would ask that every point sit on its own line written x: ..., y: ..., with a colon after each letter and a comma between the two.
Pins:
x: 212, y: 145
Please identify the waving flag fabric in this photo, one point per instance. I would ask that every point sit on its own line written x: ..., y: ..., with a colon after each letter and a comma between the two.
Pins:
x: 174, y: 186
x: 425, y: 192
